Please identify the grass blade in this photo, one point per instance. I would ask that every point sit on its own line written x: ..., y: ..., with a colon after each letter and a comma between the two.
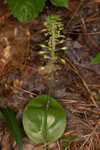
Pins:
x: 13, y: 125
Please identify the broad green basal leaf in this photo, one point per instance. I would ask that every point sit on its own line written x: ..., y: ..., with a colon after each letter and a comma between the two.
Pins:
x: 26, y: 10
x: 43, y: 124
x: 96, y: 60
x: 62, y: 3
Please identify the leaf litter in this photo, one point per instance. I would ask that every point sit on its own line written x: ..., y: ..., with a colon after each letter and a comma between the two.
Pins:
x: 83, y: 115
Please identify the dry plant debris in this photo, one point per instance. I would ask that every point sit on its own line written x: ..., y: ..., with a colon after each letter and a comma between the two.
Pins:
x: 81, y: 86
x: 14, y: 47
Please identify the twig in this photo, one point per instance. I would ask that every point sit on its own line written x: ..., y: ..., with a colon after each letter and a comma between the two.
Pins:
x: 89, y: 135
x: 88, y: 36
x: 42, y: 146
x: 94, y: 85
x: 74, y: 14
x: 84, y: 83
x: 91, y: 143
x: 68, y: 133
x: 17, y: 88
x: 69, y: 101
x: 88, y: 109
x: 58, y: 145
x: 92, y: 33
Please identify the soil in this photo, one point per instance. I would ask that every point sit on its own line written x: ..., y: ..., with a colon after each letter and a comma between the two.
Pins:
x: 77, y: 83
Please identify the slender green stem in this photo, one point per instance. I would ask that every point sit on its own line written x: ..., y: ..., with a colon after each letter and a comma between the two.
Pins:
x: 52, y: 73
x: 52, y: 59
x: 53, y: 27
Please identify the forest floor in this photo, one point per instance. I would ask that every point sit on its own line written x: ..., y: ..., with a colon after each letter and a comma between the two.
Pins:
x: 77, y: 83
